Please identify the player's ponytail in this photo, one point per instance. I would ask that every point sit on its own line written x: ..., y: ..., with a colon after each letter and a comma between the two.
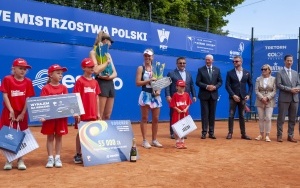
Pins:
x: 99, y: 38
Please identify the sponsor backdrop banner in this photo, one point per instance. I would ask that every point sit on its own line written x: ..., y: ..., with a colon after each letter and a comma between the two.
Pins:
x: 41, y: 55
x: 45, y: 34
x: 52, y: 23
x: 272, y: 53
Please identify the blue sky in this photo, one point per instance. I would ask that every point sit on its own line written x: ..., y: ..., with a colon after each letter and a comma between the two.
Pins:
x: 268, y: 17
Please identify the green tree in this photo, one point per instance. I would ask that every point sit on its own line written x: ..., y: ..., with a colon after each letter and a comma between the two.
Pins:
x: 203, y: 15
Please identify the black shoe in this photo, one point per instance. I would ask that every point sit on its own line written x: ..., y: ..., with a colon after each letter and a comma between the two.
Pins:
x: 203, y: 136
x: 78, y: 158
x: 246, y: 137
x: 212, y: 136
x: 172, y: 136
x: 229, y: 136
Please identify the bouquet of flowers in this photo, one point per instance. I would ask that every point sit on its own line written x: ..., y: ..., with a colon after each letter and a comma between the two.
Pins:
x: 158, y: 70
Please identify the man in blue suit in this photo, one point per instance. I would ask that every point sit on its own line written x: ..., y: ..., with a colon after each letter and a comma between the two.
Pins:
x: 179, y: 73
x: 208, y: 80
x: 237, y: 81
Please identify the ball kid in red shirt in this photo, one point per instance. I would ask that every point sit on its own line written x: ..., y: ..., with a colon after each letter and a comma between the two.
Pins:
x: 89, y: 90
x: 16, y: 88
x: 180, y: 103
x: 54, y: 128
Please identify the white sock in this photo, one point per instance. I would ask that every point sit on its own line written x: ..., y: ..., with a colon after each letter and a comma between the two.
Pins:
x: 57, y: 156
x: 50, y: 157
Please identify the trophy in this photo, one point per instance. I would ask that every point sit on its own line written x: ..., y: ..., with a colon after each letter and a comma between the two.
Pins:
x: 161, y: 82
x: 101, y: 51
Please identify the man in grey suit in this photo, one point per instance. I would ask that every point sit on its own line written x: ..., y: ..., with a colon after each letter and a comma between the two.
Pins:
x: 288, y: 83
x: 179, y: 73
x: 208, y: 80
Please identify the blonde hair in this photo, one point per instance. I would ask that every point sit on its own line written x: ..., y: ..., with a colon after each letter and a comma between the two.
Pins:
x: 100, y: 37
x: 268, y: 67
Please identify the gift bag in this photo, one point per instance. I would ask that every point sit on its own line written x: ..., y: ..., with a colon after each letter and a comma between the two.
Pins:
x: 184, y: 126
x: 29, y: 144
x: 11, y: 139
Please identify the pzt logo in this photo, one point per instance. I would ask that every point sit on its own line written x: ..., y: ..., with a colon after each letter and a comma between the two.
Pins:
x: 163, y: 36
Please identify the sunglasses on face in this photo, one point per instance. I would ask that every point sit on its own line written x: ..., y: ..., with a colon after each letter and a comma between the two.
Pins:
x: 235, y: 61
x: 264, y: 69
x: 181, y: 63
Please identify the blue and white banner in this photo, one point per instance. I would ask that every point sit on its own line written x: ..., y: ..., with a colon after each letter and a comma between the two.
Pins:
x: 52, y: 23
x: 272, y: 52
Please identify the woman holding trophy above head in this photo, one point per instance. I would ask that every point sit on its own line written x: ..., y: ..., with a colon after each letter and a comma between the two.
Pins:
x: 105, y: 72
x: 148, y: 99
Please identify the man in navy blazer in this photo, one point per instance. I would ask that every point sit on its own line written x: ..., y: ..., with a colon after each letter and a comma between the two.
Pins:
x: 179, y: 73
x: 237, y: 81
x: 208, y: 80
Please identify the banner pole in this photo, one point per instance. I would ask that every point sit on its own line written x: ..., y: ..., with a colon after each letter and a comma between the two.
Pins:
x: 252, y: 60
x: 298, y: 50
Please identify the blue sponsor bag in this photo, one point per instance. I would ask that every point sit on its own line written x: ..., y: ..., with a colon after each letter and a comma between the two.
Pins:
x: 11, y: 139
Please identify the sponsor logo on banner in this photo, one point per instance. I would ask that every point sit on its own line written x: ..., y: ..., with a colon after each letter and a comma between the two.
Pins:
x: 163, y: 36
x: 275, y: 68
x: 238, y: 52
x: 280, y: 47
x: 68, y: 80
x: 275, y: 55
x: 198, y: 44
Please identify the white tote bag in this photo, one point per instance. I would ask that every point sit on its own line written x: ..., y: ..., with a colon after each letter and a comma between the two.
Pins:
x: 184, y: 126
x: 29, y: 144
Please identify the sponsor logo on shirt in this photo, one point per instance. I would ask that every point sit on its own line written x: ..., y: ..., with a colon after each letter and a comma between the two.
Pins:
x: 181, y: 103
x: 16, y: 93
x: 89, y: 90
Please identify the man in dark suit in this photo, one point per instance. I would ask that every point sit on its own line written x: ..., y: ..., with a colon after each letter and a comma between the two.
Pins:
x: 179, y: 73
x: 237, y: 80
x: 208, y: 80
x: 288, y: 83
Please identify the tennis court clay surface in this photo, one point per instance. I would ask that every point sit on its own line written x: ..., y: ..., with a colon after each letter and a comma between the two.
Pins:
x: 206, y: 163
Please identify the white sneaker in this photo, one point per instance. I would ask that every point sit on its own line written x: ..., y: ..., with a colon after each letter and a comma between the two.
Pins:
x: 58, y: 163
x: 50, y: 163
x: 21, y: 165
x: 259, y: 137
x: 268, y: 139
x: 7, y: 166
x: 156, y: 144
x: 146, y: 144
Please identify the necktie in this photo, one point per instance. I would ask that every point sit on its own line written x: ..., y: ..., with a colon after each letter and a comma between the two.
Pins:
x: 209, y: 73
x: 290, y: 75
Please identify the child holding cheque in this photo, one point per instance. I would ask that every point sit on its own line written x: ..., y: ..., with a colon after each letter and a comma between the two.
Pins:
x: 89, y: 90
x: 180, y: 103
x: 54, y: 128
x: 16, y: 89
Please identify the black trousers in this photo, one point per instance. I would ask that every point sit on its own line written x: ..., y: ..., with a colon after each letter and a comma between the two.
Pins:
x: 241, y: 110
x: 208, y: 114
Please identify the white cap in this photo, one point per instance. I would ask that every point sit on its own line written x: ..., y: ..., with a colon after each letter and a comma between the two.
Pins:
x: 148, y: 51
